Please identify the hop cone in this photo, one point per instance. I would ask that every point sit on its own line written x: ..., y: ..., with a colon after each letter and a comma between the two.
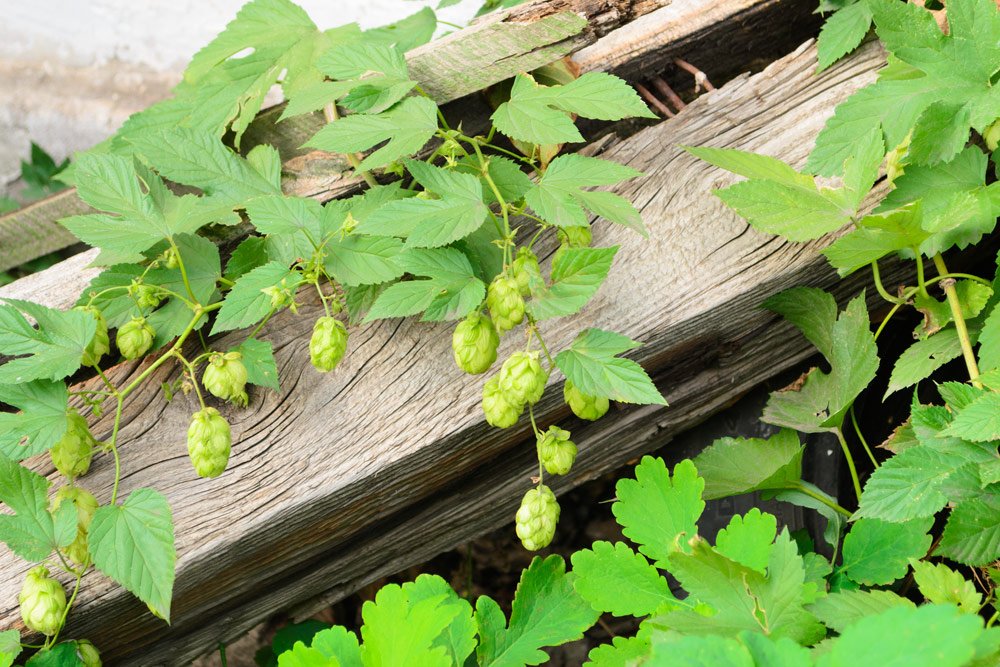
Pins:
x: 505, y: 302
x: 582, y: 405
x: 991, y: 135
x: 225, y: 377
x: 146, y: 296
x: 536, y: 519
x: 328, y: 343
x: 524, y: 268
x: 556, y: 451
x: 100, y: 344
x: 43, y: 601
x: 88, y: 653
x: 72, y: 454
x: 209, y: 442
x: 135, y: 337
x: 522, y: 378
x: 499, y: 412
x: 86, y: 505
x: 475, y: 343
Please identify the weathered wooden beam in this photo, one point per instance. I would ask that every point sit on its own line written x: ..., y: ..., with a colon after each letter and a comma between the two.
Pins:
x: 341, y: 478
x: 489, y: 51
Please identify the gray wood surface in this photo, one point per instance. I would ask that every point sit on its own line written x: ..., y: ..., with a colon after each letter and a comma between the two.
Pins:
x: 341, y: 478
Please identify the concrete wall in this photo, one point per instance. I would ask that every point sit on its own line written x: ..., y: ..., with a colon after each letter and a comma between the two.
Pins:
x: 72, y: 70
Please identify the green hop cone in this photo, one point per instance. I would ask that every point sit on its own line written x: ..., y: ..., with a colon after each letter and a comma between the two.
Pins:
x: 100, y: 344
x: 556, y: 451
x: 209, y: 442
x: 499, y: 412
x: 146, y: 296
x: 72, y: 454
x: 537, y: 517
x: 584, y: 406
x: 991, y: 135
x: 43, y: 601
x: 88, y: 653
x: 328, y: 343
x: 86, y: 505
x: 225, y: 377
x: 524, y: 269
x: 134, y: 338
x: 575, y: 237
x: 505, y: 302
x: 522, y: 378
x: 475, y: 343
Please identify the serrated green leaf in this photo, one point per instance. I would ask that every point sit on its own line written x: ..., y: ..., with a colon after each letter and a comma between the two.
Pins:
x: 202, y: 271
x: 811, y: 310
x: 989, y: 341
x: 732, y: 466
x: 748, y: 539
x: 841, y: 609
x: 909, y: 485
x: 258, y: 357
x: 10, y: 647
x: 133, y: 543
x: 695, y: 651
x: 922, y: 358
x: 979, y: 421
x: 546, y: 612
x: 751, y: 165
x: 459, y: 638
x: 659, y: 512
x: 247, y: 303
x: 876, y: 236
x: 621, y: 652
x: 406, y: 127
x: 577, y: 274
x: 878, y: 553
x: 540, y: 114
x: 41, y: 421
x: 505, y: 174
x: 249, y: 254
x: 797, y: 213
x: 31, y: 531
x: 452, y: 291
x: 398, y: 631
x: 559, y: 198
x: 940, y: 584
x: 927, y: 636
x: 63, y: 654
x: 373, y: 77
x: 842, y: 33
x: 339, y: 643
x: 363, y: 260
x: 591, y: 365
x: 972, y: 534
x: 614, y: 579
x: 50, y: 352
x: 939, y: 134
x: 284, y: 215
x: 407, y: 33
x: 776, y: 653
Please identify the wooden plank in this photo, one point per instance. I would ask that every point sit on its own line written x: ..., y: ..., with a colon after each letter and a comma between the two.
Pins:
x: 489, y: 51
x: 341, y: 478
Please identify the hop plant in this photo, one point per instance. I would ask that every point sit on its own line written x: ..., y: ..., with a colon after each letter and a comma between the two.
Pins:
x: 88, y: 653
x: 991, y: 135
x: 328, y: 343
x: 146, y: 296
x: 583, y: 405
x: 499, y: 411
x: 505, y: 302
x: 209, y: 442
x: 135, y: 337
x: 72, y: 454
x: 43, y: 601
x: 522, y: 378
x: 535, y: 523
x: 575, y: 237
x: 524, y: 268
x: 475, y: 343
x: 86, y: 505
x: 225, y: 377
x: 556, y: 451
x: 100, y: 344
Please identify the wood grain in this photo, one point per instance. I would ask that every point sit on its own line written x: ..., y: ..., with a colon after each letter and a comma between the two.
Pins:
x: 341, y: 478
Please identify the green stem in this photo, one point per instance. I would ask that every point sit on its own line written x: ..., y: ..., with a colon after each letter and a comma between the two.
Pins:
x: 861, y: 437
x: 113, y: 443
x: 538, y: 336
x: 184, y: 275
x: 821, y: 498
x: 330, y: 112
x: 880, y: 288
x: 194, y: 378
x: 850, y: 463
x: 956, y: 312
x: 72, y: 598
x: 921, y: 283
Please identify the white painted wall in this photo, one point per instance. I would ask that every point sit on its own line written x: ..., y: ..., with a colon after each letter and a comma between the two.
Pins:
x: 72, y: 70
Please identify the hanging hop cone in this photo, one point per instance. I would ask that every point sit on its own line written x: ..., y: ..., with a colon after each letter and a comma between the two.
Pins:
x: 72, y: 454
x: 146, y: 296
x: 575, y: 237
x: 100, y: 344
x: 522, y: 378
x: 328, y: 344
x: 88, y: 653
x: 225, y: 377
x: 209, y: 442
x: 524, y: 269
x: 584, y: 406
x: 535, y: 523
x: 505, y: 302
x: 86, y: 505
x: 475, y: 343
x: 135, y: 337
x: 499, y: 411
x: 556, y: 451
x: 42, y: 600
